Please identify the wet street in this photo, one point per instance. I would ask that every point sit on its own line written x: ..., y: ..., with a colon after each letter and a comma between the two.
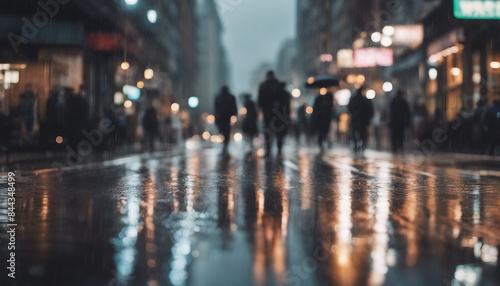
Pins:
x: 198, y: 217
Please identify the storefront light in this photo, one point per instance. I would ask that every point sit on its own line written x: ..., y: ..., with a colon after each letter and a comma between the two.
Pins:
x: 433, y: 73
x: 11, y: 77
x: 495, y: 65
x: 455, y: 71
x: 388, y: 30
x: 376, y: 37
x: 148, y: 74
x: 386, y: 41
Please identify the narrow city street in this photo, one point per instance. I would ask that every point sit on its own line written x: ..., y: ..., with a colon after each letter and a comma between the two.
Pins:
x: 201, y: 217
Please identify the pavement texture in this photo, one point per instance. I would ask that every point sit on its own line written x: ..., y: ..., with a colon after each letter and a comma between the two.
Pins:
x: 201, y: 217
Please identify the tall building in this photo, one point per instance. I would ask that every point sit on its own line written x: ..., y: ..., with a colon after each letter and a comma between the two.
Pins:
x: 212, y: 68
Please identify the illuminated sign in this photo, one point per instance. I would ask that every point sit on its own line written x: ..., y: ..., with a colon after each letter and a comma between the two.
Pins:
x: 370, y: 57
x: 476, y: 9
x: 408, y: 35
x: 345, y: 58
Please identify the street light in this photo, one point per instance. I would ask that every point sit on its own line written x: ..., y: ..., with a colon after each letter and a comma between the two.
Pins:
x: 193, y: 102
x: 296, y: 93
x: 495, y: 65
x: 148, y: 74
x: 131, y: 2
x: 370, y: 94
x: 125, y: 65
x: 387, y: 86
x: 152, y: 16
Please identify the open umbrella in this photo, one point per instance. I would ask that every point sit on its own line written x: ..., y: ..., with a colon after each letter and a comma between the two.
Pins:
x: 324, y: 80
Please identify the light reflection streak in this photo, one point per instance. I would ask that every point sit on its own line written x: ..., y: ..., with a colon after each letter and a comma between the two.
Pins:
x: 305, y: 194
x: 181, y: 248
x: 379, y: 251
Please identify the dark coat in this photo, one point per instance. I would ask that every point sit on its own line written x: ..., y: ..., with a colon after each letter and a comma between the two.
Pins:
x: 322, y: 113
x: 361, y: 110
x: 249, y: 125
x: 225, y: 108
x: 399, y: 114
x: 269, y: 98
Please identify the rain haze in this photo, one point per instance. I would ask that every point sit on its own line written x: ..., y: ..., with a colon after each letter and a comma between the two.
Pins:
x: 253, y: 33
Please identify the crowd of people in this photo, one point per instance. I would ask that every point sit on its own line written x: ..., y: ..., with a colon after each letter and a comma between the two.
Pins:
x: 66, y: 115
x: 472, y: 131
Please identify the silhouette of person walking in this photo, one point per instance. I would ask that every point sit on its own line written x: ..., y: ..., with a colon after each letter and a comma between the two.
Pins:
x: 322, y: 116
x: 399, y: 120
x: 249, y: 125
x: 274, y: 101
x: 361, y: 110
x: 225, y: 108
x: 150, y: 125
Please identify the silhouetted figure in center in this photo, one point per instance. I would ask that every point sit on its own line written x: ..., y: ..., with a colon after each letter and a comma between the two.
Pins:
x: 399, y: 120
x: 361, y: 110
x: 150, y: 125
x: 249, y: 125
x: 275, y: 104
x: 322, y: 116
x: 225, y: 108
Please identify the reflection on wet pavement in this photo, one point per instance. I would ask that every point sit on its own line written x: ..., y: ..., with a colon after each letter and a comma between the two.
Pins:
x: 202, y: 218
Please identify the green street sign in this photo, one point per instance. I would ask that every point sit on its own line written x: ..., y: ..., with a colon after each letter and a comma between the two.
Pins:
x: 476, y: 9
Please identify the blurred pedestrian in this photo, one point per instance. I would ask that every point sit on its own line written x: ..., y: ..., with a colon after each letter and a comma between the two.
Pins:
x: 399, y: 120
x: 75, y: 115
x: 225, y: 108
x: 491, y: 120
x: 361, y: 110
x: 301, y: 121
x: 54, y: 117
x: 150, y: 125
x: 322, y: 115
x: 275, y: 105
x: 27, y: 108
x: 249, y: 125
x: 480, y: 138
x: 283, y: 109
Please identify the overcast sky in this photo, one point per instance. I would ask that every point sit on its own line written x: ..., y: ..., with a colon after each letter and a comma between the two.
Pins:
x: 253, y: 33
